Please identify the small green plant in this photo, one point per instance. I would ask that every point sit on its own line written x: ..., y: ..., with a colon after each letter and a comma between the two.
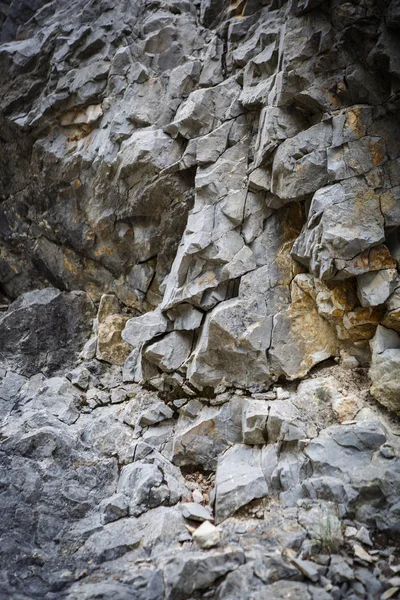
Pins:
x: 329, y: 535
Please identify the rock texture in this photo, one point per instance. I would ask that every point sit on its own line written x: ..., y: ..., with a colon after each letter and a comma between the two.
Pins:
x: 43, y: 330
x: 199, y: 217
x: 193, y: 160
x: 103, y: 485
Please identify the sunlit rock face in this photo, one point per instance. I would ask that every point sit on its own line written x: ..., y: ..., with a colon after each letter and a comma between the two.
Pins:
x: 230, y: 168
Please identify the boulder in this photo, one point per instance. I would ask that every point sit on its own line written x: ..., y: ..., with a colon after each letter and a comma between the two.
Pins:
x: 205, y: 109
x: 232, y: 345
x: 80, y: 377
x: 185, y: 317
x: 344, y: 220
x: 300, y: 163
x: 156, y: 414
x: 151, y: 482
x: 254, y: 422
x: 346, y: 463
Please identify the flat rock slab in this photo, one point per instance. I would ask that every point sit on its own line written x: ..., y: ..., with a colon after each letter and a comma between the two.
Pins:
x: 196, y: 512
x: 239, y: 480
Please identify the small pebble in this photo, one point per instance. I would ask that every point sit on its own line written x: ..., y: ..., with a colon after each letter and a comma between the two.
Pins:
x: 387, y: 451
x: 197, y: 496
x: 360, y: 553
x: 363, y: 536
x: 207, y: 535
x: 350, y: 532
x: 196, y: 512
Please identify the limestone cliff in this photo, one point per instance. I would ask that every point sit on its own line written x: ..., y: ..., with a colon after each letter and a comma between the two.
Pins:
x: 199, y: 217
x: 234, y: 165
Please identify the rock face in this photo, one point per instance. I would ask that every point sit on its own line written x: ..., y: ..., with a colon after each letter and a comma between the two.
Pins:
x: 192, y: 161
x: 43, y: 330
x: 385, y: 368
x: 199, y: 299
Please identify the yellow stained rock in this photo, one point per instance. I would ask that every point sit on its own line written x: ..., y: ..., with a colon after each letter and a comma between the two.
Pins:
x: 110, y: 345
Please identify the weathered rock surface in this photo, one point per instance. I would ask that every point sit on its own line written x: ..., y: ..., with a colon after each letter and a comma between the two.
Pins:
x: 239, y: 480
x: 180, y: 160
x: 221, y: 180
x: 43, y: 330
x: 385, y: 368
x: 94, y: 506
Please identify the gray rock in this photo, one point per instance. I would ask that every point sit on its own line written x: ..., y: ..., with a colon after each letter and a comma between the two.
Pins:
x: 186, y: 573
x: 376, y: 287
x: 150, y: 483
x: 89, y: 349
x: 114, y: 508
x: 130, y: 371
x: 339, y: 571
x: 60, y: 398
x: 156, y: 414
x: 254, y: 422
x: 360, y: 441
x: 245, y: 327
x: 171, y: 351
x: 239, y: 480
x: 196, y: 512
x: 185, y: 317
x: 120, y: 395
x: 145, y: 583
x: 231, y: 208
x: 273, y: 567
x: 283, y: 422
x: 205, y: 109
x: 202, y: 441
x: 300, y: 163
x: 79, y: 377
x: 96, y: 397
x: 159, y: 435
x: 307, y: 568
x: 191, y: 409
x: 144, y: 328
x: 335, y: 232
x: 10, y: 385
x: 385, y: 367
x: 112, y: 541
x: 44, y: 330
x: 363, y: 536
